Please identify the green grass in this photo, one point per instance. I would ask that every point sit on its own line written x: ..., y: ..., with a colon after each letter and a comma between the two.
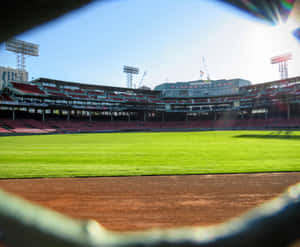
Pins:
x: 125, y: 154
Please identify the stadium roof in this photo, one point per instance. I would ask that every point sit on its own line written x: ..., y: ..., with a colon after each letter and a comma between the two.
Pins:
x: 93, y: 86
x: 267, y: 84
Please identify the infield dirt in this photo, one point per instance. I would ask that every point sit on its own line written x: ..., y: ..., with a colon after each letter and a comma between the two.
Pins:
x: 136, y: 203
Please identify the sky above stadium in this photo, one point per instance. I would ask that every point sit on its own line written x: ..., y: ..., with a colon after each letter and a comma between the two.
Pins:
x: 168, y: 39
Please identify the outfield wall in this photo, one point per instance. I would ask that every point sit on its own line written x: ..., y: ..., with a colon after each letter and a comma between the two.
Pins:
x: 30, y: 126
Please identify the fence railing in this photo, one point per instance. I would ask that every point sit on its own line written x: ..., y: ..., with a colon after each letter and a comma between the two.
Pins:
x: 275, y: 223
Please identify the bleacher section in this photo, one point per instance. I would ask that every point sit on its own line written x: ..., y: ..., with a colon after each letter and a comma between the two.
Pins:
x: 84, y: 94
x: 69, y: 106
x: 4, y: 131
x: 27, y: 126
x: 27, y: 88
x: 51, y: 88
x: 253, y: 92
x: 5, y: 98
x: 57, y: 94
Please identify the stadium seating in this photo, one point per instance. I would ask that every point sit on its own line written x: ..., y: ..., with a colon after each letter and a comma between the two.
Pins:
x: 27, y: 88
x: 204, y: 111
x: 79, y: 96
x: 170, y: 101
x: 156, y: 101
x: 201, y: 100
x: 232, y: 98
x: 95, y: 93
x: 153, y: 97
x: 49, y: 88
x: 5, y: 97
x: 79, y: 91
x: 117, y: 99
x: 37, y: 124
x: 297, y: 91
x: 2, y: 130
x: 57, y: 94
x: 27, y: 126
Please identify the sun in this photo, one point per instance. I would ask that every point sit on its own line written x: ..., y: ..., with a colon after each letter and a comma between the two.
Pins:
x: 281, y: 37
x: 262, y: 42
x: 282, y: 34
x: 264, y: 39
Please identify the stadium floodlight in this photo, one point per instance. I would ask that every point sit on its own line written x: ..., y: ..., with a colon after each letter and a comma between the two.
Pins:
x: 21, y: 48
x: 282, y: 60
x: 130, y: 71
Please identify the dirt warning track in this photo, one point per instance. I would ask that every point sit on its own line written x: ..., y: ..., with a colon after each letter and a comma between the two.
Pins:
x: 137, y: 203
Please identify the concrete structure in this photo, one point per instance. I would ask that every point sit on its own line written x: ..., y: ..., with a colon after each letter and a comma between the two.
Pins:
x: 235, y: 99
x: 201, y: 88
x: 11, y: 74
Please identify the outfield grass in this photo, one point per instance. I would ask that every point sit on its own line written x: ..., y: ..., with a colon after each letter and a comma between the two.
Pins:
x: 125, y: 154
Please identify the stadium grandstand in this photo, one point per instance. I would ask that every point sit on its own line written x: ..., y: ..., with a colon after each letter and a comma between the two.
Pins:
x: 47, y: 105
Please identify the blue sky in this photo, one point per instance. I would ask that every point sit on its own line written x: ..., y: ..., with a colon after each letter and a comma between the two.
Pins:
x: 165, y: 38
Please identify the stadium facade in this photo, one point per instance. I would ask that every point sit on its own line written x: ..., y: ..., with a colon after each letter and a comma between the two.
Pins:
x: 9, y: 74
x: 57, y: 104
x: 201, y: 88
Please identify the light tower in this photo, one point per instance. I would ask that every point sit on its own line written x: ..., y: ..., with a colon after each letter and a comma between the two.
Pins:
x: 21, y: 48
x: 130, y: 71
x: 282, y: 61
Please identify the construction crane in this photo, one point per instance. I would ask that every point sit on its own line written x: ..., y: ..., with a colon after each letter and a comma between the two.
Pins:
x: 205, y: 68
x: 141, y: 81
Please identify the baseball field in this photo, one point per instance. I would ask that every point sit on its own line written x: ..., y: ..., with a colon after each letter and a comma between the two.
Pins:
x: 169, y: 153
x: 215, y: 175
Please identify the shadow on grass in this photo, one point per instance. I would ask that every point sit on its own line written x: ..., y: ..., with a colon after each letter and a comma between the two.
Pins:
x: 273, y: 135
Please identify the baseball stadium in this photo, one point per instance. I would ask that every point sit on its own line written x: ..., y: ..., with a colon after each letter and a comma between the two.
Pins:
x: 186, y: 163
